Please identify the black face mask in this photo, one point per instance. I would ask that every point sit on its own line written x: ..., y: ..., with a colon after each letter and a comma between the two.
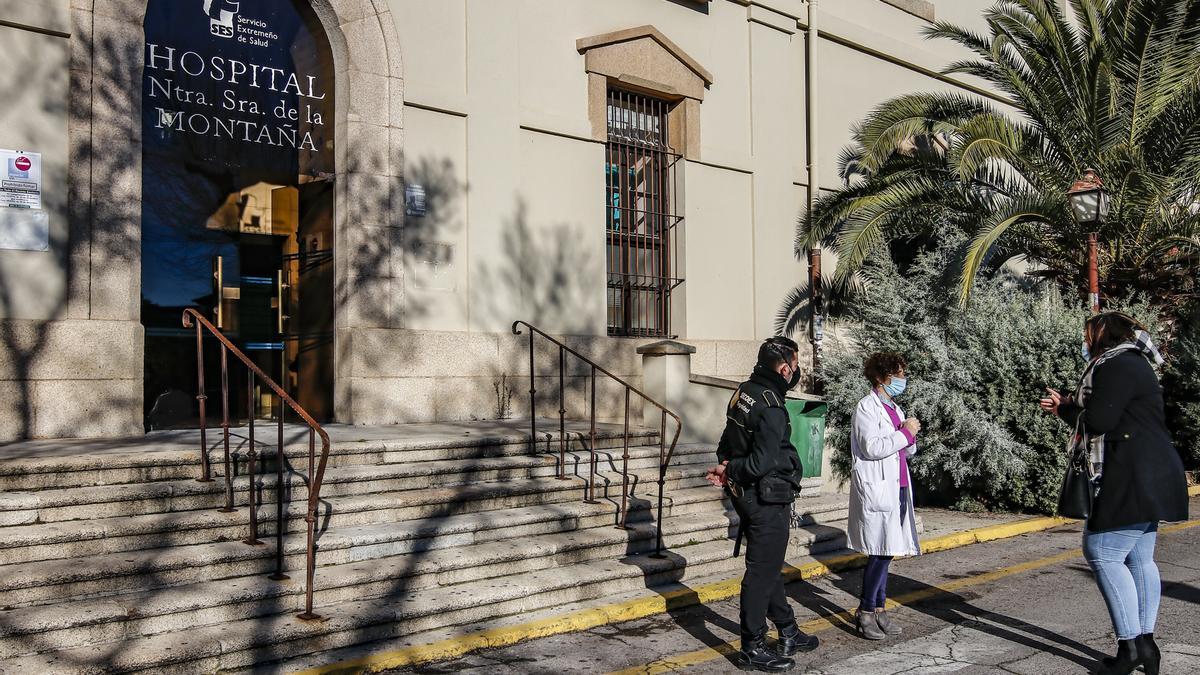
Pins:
x: 795, y: 378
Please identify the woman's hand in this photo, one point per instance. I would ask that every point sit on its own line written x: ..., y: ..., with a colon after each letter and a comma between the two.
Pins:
x: 1051, y: 402
x: 716, y: 475
x: 913, y: 425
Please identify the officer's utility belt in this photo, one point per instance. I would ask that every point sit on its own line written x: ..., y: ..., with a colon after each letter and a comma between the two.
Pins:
x: 769, y: 490
x: 772, y: 490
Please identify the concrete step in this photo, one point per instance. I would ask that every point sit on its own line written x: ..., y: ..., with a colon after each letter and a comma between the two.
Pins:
x: 174, y: 455
x: 57, y: 540
x: 46, y: 581
x: 682, y: 595
x: 157, y: 611
x: 243, y: 643
x: 149, y: 611
x: 57, y: 505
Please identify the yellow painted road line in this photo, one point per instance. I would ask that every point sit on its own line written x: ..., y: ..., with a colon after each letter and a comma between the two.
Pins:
x: 681, y: 661
x: 638, y: 608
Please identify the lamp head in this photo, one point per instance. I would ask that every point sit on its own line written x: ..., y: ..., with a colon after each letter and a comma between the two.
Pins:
x: 1089, y: 200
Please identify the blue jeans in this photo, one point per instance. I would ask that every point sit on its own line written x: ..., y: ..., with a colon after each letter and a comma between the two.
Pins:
x: 1123, y: 561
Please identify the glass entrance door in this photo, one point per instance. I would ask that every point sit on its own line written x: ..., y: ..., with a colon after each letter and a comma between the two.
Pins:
x: 262, y: 273
x: 237, y: 207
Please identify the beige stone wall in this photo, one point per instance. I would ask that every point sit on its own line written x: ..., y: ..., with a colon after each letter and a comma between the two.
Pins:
x: 498, y: 100
x: 70, y: 344
x: 490, y: 106
x: 501, y: 129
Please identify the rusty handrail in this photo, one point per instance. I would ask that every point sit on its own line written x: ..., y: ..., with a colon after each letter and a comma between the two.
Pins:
x: 315, y: 477
x: 664, y: 453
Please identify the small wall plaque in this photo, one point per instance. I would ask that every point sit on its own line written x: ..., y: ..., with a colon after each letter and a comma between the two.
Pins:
x: 414, y: 201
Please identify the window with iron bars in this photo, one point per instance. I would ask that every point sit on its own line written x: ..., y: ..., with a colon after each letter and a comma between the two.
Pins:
x: 642, y: 216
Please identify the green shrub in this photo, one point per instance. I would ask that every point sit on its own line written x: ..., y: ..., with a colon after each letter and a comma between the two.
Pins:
x: 975, y: 377
x: 1181, y: 387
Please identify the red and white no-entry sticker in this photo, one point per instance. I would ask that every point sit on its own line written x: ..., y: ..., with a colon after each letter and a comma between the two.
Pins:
x: 22, y: 163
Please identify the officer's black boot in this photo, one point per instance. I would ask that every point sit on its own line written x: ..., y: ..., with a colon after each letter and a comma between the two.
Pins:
x: 754, y: 655
x: 792, y: 640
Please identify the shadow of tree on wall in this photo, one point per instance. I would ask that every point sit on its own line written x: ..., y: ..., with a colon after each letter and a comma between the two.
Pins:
x: 542, y: 275
x: 24, y: 339
x: 546, y: 274
x: 541, y: 266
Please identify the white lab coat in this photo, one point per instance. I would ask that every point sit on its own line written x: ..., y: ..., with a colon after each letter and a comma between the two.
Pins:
x: 874, y: 527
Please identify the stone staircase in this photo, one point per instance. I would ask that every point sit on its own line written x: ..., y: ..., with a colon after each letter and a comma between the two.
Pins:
x: 113, y: 558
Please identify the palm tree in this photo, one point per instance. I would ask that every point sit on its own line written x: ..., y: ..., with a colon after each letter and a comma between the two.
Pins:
x: 1115, y: 86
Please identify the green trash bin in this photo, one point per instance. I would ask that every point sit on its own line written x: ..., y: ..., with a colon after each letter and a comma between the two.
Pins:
x: 808, y: 432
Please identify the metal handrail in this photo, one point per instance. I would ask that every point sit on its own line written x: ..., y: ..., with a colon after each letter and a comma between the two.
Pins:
x: 664, y: 453
x: 315, y: 476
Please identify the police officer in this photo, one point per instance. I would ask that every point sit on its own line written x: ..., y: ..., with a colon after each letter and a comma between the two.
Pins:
x: 761, y: 472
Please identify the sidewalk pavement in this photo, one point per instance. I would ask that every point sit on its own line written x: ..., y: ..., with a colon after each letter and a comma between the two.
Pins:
x: 1025, y: 605
x: 944, y: 530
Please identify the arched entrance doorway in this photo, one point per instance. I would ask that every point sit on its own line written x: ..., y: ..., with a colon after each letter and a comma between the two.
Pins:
x: 238, y: 161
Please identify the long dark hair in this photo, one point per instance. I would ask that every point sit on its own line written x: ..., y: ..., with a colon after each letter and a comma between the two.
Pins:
x: 1110, y: 329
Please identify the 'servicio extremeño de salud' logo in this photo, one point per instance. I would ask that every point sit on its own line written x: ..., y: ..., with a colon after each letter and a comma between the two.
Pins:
x: 220, y: 16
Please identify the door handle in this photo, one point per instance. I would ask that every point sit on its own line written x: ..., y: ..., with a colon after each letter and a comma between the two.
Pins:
x: 280, y: 285
x: 219, y: 283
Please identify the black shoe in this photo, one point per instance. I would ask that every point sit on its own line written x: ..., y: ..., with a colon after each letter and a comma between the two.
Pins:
x: 754, y: 655
x: 792, y: 640
x: 1148, y: 653
x: 1124, y: 663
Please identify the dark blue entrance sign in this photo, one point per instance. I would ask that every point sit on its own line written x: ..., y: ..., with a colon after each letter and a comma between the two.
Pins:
x: 243, y: 84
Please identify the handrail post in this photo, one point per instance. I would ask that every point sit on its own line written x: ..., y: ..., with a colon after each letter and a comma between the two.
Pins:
x: 280, y: 524
x: 201, y: 398
x: 228, y: 508
x: 251, y: 457
x: 316, y: 471
x: 662, y: 479
x: 591, y: 486
x: 532, y: 402
x: 562, y: 414
x: 625, y: 468
x: 665, y: 453
x: 310, y: 518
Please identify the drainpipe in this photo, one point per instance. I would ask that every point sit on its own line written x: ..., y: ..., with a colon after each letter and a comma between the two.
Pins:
x: 816, y: 328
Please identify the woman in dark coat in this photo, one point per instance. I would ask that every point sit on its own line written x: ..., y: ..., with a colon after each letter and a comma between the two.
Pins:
x: 1118, y: 419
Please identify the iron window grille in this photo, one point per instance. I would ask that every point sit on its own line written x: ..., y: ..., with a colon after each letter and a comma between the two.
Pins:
x: 642, y: 216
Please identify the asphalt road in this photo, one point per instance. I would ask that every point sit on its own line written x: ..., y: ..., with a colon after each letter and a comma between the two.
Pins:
x: 1024, y: 605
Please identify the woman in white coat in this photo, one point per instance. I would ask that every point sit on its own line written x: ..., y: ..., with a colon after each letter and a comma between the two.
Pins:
x: 881, y: 510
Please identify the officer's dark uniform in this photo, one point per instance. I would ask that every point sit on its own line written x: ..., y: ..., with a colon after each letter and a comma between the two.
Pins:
x: 757, y: 444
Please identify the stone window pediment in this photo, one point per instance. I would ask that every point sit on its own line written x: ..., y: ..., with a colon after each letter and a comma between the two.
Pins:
x: 643, y: 59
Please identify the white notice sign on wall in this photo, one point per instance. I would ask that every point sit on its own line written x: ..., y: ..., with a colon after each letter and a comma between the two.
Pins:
x: 24, y: 225
x: 20, y: 179
x: 24, y: 229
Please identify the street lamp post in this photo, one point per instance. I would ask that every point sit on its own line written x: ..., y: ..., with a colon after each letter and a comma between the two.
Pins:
x: 816, y: 326
x: 1089, y: 203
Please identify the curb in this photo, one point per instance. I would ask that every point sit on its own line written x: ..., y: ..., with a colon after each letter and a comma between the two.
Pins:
x: 630, y: 610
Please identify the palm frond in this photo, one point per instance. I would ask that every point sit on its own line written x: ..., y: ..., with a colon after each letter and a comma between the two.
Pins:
x: 836, y: 303
x: 1030, y: 208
